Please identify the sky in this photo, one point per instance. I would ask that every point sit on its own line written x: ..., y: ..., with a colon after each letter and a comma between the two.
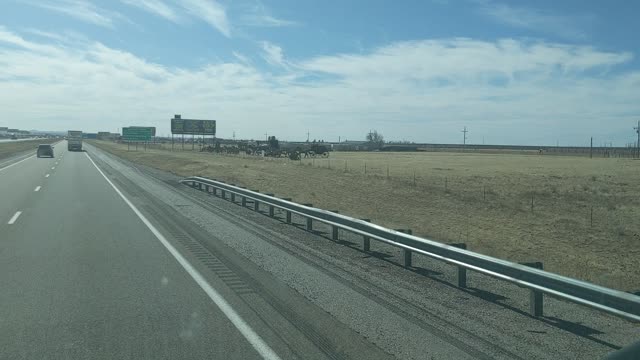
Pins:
x: 526, y: 72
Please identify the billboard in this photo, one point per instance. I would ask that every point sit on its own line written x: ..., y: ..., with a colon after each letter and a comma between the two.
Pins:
x: 192, y: 126
x: 137, y: 133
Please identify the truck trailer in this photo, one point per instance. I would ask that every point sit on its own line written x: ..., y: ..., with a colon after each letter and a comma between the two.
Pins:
x: 74, y: 140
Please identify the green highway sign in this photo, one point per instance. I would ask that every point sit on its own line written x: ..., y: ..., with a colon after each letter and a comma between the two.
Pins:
x: 137, y: 133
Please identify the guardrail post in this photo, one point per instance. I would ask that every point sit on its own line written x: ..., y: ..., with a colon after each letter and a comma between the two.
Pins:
x: 223, y: 194
x: 406, y: 252
x: 271, y: 207
x: 462, y: 271
x: 309, y: 220
x: 256, y: 203
x: 536, y: 300
x: 334, y: 229
x: 244, y: 201
x: 206, y: 188
x: 366, y: 241
x: 287, y: 212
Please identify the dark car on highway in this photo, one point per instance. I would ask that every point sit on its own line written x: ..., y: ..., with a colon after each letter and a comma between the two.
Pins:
x: 45, y: 150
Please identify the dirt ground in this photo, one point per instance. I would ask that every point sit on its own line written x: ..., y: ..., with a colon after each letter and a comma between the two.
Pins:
x: 577, y: 215
x: 10, y: 148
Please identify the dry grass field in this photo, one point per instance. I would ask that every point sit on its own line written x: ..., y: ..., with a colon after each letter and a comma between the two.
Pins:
x: 577, y: 215
x: 10, y: 148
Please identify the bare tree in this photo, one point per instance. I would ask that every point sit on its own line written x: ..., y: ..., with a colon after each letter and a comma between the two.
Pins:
x: 375, y: 138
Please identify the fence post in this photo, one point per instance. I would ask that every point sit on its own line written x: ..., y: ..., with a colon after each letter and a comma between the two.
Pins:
x: 462, y: 271
x: 536, y: 299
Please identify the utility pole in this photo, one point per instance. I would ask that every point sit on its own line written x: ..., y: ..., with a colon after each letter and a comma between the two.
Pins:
x: 637, y: 128
x: 266, y: 137
x: 234, y: 136
x: 307, y: 135
x: 464, y: 138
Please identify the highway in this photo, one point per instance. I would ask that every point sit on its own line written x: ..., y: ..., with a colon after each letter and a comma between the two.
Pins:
x: 100, y: 259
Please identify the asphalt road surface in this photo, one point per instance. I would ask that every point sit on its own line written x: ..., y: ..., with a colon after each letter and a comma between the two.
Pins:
x: 103, y: 260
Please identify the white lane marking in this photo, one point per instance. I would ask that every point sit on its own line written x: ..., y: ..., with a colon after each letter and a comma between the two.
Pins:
x: 37, y: 188
x: 252, y: 337
x: 53, y: 168
x: 46, y: 175
x: 14, y: 217
x: 16, y: 163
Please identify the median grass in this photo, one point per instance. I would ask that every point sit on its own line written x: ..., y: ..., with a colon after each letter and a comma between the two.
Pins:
x: 10, y: 148
x: 577, y: 215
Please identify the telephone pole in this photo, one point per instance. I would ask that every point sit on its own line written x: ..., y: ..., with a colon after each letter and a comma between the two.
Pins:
x: 307, y: 135
x: 464, y: 138
x: 637, y: 129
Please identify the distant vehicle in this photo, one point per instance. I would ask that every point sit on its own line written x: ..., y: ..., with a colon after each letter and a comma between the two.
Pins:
x: 45, y: 150
x: 74, y: 140
x: 14, y: 137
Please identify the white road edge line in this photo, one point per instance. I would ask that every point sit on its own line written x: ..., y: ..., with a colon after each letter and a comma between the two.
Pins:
x: 46, y: 175
x: 16, y: 163
x: 53, y: 168
x: 252, y: 337
x: 37, y: 188
x: 14, y: 217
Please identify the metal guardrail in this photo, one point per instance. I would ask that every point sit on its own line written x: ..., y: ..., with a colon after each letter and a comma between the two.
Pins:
x: 611, y: 301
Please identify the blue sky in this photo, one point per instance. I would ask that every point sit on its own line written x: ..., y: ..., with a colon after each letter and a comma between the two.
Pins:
x: 512, y: 72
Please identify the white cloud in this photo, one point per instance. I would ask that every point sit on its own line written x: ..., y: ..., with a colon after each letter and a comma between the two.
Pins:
x: 465, y: 59
x: 535, y: 19
x: 272, y: 54
x: 209, y: 11
x: 156, y: 7
x: 82, y: 10
x: 259, y: 16
x: 243, y: 59
x: 509, y: 91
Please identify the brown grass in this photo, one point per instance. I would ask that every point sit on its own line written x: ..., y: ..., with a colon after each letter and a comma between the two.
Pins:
x: 11, y: 148
x: 486, y: 203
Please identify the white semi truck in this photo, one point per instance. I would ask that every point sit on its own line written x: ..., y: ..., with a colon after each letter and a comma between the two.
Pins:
x: 74, y: 140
